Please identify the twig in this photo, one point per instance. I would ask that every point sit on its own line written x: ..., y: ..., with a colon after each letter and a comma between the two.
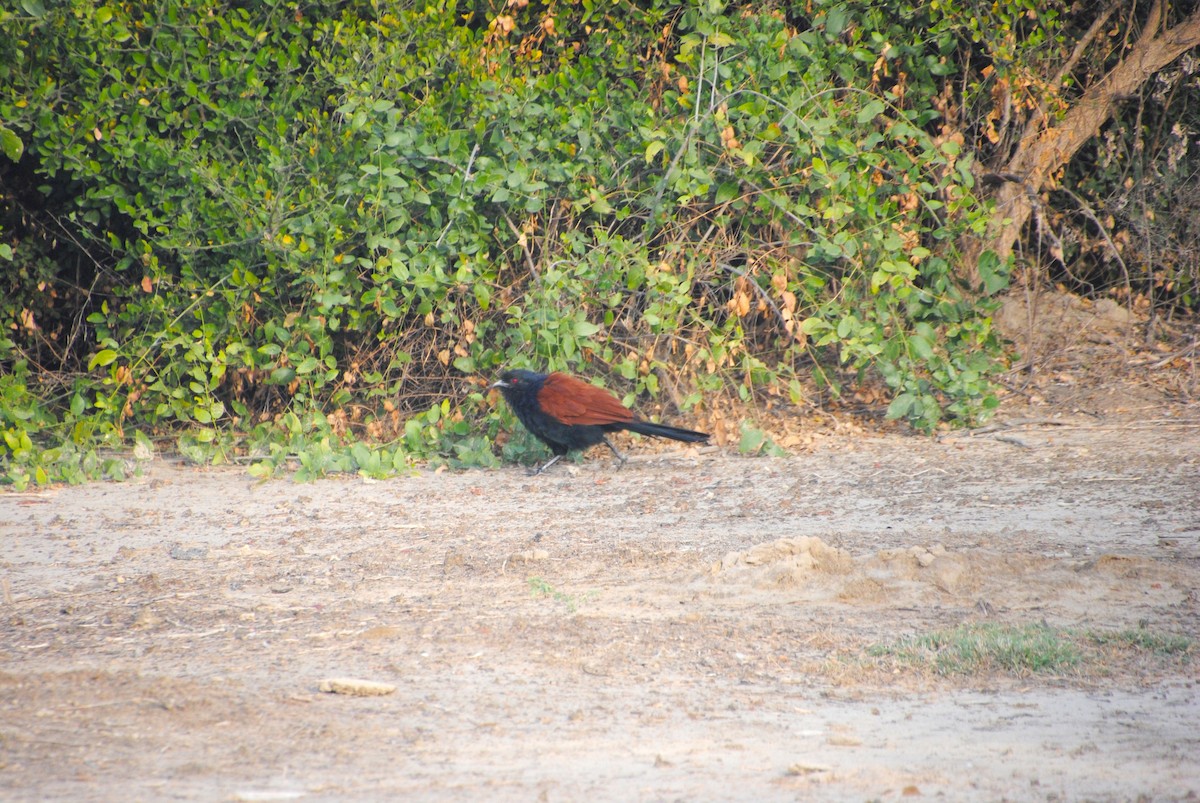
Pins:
x: 1005, y: 425
x: 203, y: 634
x: 762, y: 294
x: 550, y: 226
x: 662, y: 184
x: 712, y: 84
x: 1015, y: 441
x: 1156, y: 423
x: 1175, y: 355
x: 1091, y: 215
x: 63, y: 595
x: 461, y: 189
x: 1082, y: 44
x: 523, y: 241
x: 107, y: 704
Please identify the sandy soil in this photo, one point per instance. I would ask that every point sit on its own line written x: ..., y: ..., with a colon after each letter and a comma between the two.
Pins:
x: 694, y: 626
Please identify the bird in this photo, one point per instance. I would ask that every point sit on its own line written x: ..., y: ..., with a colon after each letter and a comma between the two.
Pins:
x: 567, y: 413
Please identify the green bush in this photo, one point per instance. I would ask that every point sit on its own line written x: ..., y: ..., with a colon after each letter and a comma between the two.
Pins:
x: 313, y: 225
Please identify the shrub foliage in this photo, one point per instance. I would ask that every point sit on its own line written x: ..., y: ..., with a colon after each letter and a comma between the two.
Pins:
x: 312, y: 231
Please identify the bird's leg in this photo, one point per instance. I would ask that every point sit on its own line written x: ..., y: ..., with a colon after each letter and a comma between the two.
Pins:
x: 549, y: 463
x: 620, y: 456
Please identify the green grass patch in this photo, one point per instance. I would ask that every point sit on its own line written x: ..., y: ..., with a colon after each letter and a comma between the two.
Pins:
x: 1023, y: 649
x: 539, y: 588
x: 1145, y: 640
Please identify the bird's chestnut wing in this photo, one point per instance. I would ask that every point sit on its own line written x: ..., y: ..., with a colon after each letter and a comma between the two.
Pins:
x: 573, y: 401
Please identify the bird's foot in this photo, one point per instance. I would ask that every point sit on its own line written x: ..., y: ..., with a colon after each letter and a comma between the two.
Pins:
x: 534, y: 472
x: 620, y: 457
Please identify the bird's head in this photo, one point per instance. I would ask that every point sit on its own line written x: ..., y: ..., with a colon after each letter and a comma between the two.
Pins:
x: 518, y: 379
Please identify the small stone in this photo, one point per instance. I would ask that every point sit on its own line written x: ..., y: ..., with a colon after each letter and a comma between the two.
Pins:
x: 529, y: 556
x: 189, y: 553
x: 146, y: 618
x: 355, y: 687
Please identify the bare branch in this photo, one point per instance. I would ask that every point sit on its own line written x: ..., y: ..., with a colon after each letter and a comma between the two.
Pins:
x: 523, y: 241
x: 1041, y: 153
x: 1084, y: 43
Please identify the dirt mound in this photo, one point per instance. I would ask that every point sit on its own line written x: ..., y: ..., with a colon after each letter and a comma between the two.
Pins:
x: 888, y: 575
x: 1050, y: 316
x: 987, y: 581
x: 782, y: 562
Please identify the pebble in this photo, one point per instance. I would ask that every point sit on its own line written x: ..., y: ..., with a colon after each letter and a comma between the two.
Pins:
x: 355, y: 687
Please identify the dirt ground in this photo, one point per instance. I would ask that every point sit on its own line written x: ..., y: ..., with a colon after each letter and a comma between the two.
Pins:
x: 694, y: 626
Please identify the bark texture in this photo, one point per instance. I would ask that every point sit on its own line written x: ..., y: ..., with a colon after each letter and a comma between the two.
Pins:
x: 1045, y: 149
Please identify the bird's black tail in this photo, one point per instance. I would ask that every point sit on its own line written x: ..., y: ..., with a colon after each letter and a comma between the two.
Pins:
x: 666, y: 431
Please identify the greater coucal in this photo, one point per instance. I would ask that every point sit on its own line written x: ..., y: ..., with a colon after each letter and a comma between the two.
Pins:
x: 566, y: 413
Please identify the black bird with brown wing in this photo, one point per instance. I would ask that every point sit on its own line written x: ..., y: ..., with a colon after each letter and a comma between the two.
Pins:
x: 566, y: 413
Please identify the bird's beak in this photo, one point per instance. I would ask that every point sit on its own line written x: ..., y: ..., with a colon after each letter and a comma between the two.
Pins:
x: 499, y: 383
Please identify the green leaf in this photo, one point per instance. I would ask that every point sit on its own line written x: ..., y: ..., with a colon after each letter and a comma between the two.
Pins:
x: 585, y: 328
x: 752, y: 439
x: 261, y: 470
x: 399, y: 460
x: 835, y: 21
x: 10, y: 144
x: 102, y: 358
x: 727, y: 191
x: 361, y: 454
x: 921, y: 347
x: 483, y: 295
x: 869, y: 112
x: 813, y: 325
x: 901, y: 405
x: 995, y: 274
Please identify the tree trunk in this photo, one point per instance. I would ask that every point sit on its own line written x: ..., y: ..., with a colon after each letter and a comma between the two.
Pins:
x: 1044, y: 150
